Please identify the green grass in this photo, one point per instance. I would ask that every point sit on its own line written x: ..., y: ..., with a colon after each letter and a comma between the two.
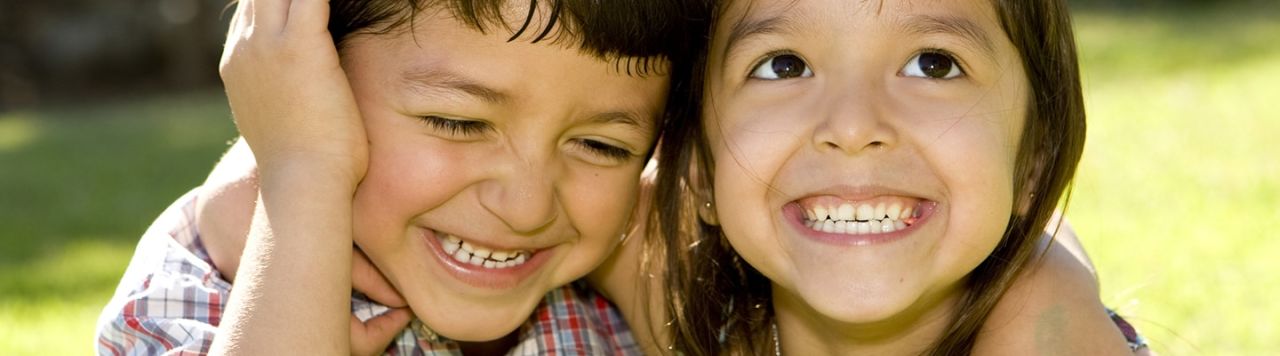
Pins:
x: 78, y: 188
x: 1178, y: 195
x: 1177, y: 200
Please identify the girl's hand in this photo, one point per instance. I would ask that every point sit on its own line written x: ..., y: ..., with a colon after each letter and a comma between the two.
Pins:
x: 289, y: 95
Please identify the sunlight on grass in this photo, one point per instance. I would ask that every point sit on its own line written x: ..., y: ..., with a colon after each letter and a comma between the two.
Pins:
x: 16, y: 132
x: 57, y: 299
x: 1177, y: 195
x: 90, y: 180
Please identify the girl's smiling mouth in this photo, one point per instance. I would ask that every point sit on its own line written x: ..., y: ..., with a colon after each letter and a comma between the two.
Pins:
x: 862, y: 221
x: 484, y: 266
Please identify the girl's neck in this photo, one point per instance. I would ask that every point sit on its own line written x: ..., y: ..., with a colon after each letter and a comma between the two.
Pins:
x: 804, y: 331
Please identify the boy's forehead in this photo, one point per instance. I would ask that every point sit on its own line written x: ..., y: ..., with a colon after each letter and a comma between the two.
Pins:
x: 444, y: 83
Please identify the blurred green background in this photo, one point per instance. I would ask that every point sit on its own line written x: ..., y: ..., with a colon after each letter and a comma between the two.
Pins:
x: 1177, y: 200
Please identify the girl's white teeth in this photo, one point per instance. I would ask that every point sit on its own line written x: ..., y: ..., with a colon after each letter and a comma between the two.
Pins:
x: 855, y: 219
x: 865, y: 212
x: 846, y: 212
x: 465, y: 252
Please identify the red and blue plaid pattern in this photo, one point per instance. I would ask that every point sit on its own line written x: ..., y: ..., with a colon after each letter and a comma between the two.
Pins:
x: 170, y: 301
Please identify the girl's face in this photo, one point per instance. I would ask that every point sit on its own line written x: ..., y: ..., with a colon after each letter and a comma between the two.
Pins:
x: 497, y: 170
x: 864, y: 150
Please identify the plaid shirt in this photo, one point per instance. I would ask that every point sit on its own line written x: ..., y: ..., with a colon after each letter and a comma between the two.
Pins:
x: 171, y: 300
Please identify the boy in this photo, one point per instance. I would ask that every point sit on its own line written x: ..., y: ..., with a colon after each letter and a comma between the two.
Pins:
x: 479, y: 161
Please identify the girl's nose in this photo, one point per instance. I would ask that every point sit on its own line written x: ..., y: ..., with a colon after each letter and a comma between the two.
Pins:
x: 854, y: 122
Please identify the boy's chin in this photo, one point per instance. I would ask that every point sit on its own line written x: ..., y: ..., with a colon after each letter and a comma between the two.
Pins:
x: 472, y: 322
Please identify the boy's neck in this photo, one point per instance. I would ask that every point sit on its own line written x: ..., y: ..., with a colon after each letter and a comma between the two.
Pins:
x: 499, y: 346
x: 804, y: 331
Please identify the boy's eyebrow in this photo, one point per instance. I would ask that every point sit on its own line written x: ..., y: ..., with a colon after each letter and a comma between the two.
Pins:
x: 435, y: 79
x: 622, y: 117
x: 962, y: 27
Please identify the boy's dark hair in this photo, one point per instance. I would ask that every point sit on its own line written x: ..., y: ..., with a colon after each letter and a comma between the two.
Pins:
x: 718, y: 304
x: 643, y: 35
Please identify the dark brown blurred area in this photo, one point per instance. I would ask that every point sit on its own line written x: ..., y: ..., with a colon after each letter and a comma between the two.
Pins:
x: 54, y: 51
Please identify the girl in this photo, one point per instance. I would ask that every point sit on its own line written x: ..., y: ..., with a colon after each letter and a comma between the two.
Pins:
x: 870, y: 177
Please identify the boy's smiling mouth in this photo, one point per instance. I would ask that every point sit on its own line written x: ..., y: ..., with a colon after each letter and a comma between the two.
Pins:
x: 484, y: 266
x: 465, y: 252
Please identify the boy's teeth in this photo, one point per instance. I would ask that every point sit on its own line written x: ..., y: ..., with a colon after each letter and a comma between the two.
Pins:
x: 894, y: 211
x: 467, y: 253
x: 819, y: 213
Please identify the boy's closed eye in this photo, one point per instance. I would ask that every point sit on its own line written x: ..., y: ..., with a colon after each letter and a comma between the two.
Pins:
x: 455, y: 128
x: 598, y: 151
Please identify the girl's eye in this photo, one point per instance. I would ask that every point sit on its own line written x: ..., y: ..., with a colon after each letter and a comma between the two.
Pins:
x: 933, y: 65
x: 613, y: 153
x: 783, y: 66
x: 456, y: 127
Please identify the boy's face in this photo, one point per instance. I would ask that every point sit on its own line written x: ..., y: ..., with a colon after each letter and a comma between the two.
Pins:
x: 526, y: 153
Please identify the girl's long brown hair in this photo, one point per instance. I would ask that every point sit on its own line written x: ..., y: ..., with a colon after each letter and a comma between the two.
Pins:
x: 718, y: 304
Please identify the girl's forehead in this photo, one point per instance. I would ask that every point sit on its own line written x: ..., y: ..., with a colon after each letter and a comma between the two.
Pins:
x: 973, y: 22
x: 736, y: 15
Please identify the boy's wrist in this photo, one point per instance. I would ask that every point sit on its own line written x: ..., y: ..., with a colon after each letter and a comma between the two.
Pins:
x: 295, y: 174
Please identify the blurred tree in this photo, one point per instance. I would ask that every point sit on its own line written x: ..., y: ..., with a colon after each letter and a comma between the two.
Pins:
x: 77, y: 48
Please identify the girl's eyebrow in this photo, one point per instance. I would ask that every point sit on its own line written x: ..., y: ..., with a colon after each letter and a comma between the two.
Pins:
x: 764, y: 22
x: 964, y: 28
x: 746, y: 28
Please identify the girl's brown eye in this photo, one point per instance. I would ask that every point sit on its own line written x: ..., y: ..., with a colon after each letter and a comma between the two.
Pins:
x: 783, y: 66
x: 933, y: 65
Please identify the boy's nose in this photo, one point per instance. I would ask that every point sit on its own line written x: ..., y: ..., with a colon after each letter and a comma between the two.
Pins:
x: 853, y: 122
x: 522, y: 195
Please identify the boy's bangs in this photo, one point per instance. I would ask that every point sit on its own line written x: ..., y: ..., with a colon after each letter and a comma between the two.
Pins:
x: 641, y: 35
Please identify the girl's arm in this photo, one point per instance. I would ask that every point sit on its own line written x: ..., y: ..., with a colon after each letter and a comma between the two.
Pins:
x: 624, y: 280
x: 224, y: 211
x: 292, y: 103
